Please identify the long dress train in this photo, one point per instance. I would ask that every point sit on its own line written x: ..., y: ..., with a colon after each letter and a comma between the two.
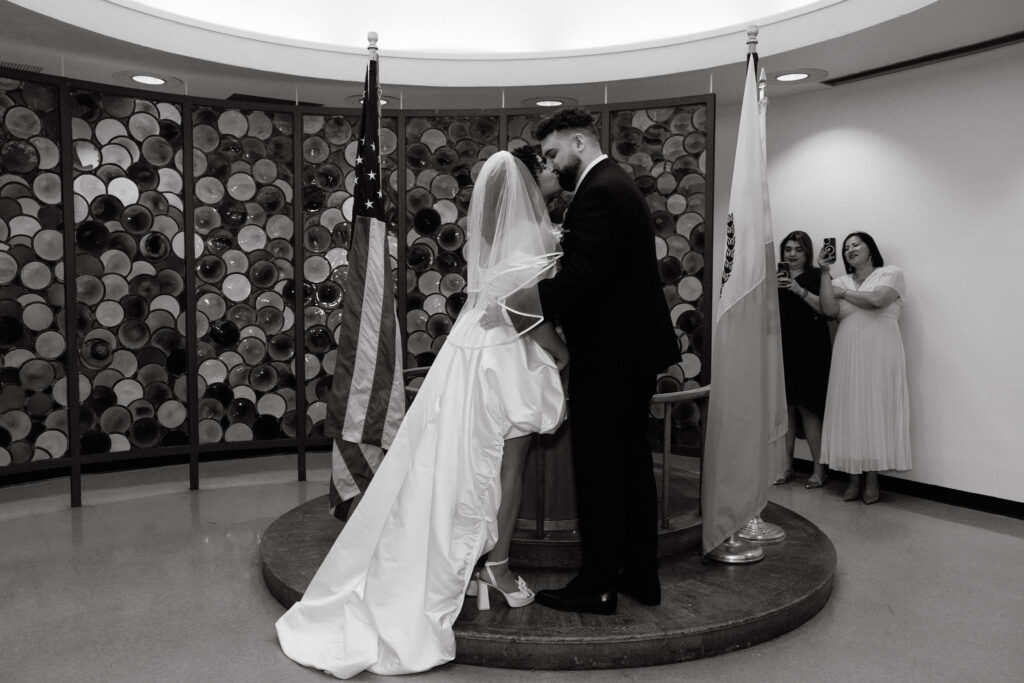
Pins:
x: 388, y: 592
x: 390, y: 589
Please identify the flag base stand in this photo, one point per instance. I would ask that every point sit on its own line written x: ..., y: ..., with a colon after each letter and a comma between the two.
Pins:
x: 760, y: 531
x: 735, y: 550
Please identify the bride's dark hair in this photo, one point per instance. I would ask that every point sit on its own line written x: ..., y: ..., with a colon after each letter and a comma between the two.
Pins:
x: 530, y: 158
x: 492, y: 210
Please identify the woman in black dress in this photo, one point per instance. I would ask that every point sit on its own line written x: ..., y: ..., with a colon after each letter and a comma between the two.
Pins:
x: 806, y: 350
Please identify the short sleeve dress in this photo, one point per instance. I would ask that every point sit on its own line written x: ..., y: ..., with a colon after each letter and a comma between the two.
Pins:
x: 806, y: 346
x: 867, y: 416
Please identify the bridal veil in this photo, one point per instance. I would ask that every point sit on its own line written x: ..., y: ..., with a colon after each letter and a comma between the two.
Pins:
x: 510, y: 243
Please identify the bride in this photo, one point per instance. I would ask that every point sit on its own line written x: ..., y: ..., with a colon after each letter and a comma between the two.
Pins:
x: 448, y: 491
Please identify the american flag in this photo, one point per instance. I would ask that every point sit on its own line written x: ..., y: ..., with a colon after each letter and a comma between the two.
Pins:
x: 367, y: 398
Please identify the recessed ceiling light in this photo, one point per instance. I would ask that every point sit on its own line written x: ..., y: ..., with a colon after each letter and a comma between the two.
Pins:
x: 549, y: 101
x: 358, y: 99
x: 801, y: 75
x: 150, y: 79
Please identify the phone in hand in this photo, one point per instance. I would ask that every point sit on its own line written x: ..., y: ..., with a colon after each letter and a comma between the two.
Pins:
x: 782, y: 270
x: 829, y: 248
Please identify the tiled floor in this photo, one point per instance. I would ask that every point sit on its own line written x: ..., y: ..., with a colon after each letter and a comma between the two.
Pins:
x: 151, y: 582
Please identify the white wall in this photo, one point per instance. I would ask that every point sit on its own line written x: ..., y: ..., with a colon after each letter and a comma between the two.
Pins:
x: 930, y: 162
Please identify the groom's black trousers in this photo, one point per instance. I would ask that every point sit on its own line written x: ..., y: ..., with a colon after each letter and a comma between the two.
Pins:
x: 617, y: 501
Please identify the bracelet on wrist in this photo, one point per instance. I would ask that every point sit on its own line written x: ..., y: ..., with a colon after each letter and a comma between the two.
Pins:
x: 803, y: 295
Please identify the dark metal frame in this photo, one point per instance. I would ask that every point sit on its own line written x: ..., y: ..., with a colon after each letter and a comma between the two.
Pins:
x: 194, y: 452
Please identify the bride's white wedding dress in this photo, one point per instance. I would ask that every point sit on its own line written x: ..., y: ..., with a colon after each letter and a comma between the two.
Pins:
x: 388, y: 593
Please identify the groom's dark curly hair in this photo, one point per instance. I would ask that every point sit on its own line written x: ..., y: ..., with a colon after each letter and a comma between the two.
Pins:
x: 572, y: 118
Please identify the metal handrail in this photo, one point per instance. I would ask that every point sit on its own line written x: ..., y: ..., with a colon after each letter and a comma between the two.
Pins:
x: 668, y: 399
x: 413, y: 373
x: 688, y: 394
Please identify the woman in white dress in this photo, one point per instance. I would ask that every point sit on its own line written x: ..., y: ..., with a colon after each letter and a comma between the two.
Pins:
x: 388, y: 593
x: 866, y: 428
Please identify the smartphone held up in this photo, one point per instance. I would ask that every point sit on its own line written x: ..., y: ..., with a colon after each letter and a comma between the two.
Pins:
x: 829, y: 249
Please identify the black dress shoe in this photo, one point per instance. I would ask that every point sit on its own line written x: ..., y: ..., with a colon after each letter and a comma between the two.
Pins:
x: 569, y: 600
x: 646, y: 591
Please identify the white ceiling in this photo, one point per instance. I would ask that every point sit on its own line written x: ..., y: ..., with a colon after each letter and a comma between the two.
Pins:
x: 454, y: 28
x: 550, y: 47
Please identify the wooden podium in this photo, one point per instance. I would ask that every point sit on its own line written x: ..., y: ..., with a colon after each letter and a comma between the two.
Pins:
x: 549, y: 492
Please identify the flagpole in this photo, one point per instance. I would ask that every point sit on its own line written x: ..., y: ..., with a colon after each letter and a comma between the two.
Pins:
x: 367, y: 395
x: 734, y: 549
x: 758, y: 530
x: 346, y: 508
x: 372, y: 37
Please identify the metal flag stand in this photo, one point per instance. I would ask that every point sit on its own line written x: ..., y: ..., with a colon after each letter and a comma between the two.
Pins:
x: 734, y: 550
x: 760, y: 531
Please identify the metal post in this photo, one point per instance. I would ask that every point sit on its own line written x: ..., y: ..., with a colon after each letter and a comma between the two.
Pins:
x: 191, y: 294
x: 299, y: 278
x: 538, y: 454
x: 70, y: 295
x: 666, y: 436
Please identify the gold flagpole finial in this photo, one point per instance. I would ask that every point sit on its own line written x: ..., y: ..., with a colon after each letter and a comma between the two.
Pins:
x: 752, y: 38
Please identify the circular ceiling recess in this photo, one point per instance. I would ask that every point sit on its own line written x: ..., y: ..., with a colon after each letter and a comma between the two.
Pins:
x: 469, y: 42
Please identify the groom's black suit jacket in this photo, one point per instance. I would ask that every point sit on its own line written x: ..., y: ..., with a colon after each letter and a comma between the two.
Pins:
x: 607, y: 296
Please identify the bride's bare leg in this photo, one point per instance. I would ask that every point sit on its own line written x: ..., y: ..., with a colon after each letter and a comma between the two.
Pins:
x: 513, y: 462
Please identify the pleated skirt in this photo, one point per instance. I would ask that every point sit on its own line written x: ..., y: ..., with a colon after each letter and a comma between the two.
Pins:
x: 867, y: 416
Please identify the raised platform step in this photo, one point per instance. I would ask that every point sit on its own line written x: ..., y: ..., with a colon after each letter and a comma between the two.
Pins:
x: 707, y: 608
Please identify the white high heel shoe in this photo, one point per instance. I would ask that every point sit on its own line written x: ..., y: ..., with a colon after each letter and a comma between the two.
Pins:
x: 520, y: 598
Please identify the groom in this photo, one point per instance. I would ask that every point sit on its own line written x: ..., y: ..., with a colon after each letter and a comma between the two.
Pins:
x: 609, y: 301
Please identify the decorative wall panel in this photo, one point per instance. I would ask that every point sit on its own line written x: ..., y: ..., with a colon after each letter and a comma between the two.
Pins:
x: 664, y: 151
x: 245, y: 274
x: 443, y: 157
x: 33, y: 345
x: 130, y: 272
x: 119, y: 160
x: 329, y: 148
